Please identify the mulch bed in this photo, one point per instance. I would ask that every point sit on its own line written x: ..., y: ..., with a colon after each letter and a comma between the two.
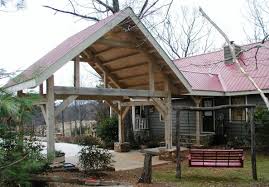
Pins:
x: 129, y: 177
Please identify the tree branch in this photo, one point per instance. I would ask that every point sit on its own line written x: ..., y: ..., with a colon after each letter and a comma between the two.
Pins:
x: 72, y: 13
x: 106, y: 6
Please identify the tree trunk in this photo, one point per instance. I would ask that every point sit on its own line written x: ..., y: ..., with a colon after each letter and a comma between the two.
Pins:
x: 147, y: 171
x: 253, y: 145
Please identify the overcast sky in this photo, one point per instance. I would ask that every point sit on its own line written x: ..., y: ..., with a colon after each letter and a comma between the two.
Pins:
x: 26, y: 35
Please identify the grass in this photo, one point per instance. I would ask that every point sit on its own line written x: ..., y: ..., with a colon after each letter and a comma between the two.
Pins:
x: 217, y: 176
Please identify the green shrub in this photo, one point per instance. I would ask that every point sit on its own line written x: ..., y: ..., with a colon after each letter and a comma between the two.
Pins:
x: 91, y: 157
x: 107, y: 130
x: 262, y: 127
x: 19, y: 158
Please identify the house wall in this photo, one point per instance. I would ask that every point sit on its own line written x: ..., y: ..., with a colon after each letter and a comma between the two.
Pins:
x: 223, y: 125
x: 187, y: 120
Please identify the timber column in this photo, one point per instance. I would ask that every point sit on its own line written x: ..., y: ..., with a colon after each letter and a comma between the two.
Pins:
x: 197, y: 101
x: 168, y: 117
x: 121, y: 146
x: 50, y: 117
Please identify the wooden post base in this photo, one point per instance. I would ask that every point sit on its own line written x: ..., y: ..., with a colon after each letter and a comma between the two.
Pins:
x: 122, y: 147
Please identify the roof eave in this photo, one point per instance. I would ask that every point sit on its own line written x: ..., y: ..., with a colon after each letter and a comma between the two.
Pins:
x: 20, y: 86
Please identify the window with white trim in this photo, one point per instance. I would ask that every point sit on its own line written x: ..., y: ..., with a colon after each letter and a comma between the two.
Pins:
x: 141, y: 120
x: 238, y: 114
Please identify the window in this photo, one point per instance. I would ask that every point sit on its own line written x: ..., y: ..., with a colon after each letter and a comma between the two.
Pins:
x: 141, y: 120
x: 238, y: 114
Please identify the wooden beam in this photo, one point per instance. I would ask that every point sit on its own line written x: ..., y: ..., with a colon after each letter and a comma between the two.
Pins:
x: 134, y: 76
x: 128, y: 67
x: 117, y: 43
x: 160, y: 110
x: 191, y: 108
x: 160, y: 103
x: 105, y: 80
x: 99, y: 64
x: 43, y: 110
x: 101, y: 53
x: 137, y: 103
x: 89, y: 97
x: 50, y: 117
x: 151, y: 76
x: 144, y: 84
x: 123, y: 58
x: 61, y: 90
x: 125, y: 112
x: 112, y: 106
x: 65, y: 104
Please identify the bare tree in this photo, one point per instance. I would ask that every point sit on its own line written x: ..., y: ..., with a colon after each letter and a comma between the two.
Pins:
x: 98, y: 9
x: 181, y: 34
x: 258, y: 20
x: 185, y: 33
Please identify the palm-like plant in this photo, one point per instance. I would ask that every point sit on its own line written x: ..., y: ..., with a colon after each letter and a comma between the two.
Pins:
x: 18, y: 157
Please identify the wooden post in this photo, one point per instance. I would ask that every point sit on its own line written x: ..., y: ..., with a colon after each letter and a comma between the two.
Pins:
x: 168, y: 117
x: 178, y: 168
x: 63, y: 122
x: 197, y: 101
x: 76, y: 72
x: 121, y: 125
x: 151, y: 76
x: 147, y: 170
x: 50, y: 117
x: 77, y: 85
x: 253, y: 145
x: 41, y: 93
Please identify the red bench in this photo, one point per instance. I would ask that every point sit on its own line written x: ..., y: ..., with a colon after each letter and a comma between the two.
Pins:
x: 216, y: 158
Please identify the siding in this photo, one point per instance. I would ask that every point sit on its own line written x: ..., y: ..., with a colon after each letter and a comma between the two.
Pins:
x: 187, y: 120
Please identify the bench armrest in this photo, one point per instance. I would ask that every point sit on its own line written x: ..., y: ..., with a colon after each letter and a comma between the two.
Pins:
x: 243, y: 158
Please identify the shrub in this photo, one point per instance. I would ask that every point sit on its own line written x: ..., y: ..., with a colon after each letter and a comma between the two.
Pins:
x: 19, y: 158
x: 262, y: 127
x: 107, y: 130
x: 91, y: 157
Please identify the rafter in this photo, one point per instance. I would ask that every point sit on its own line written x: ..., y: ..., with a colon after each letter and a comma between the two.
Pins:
x: 122, y: 58
x: 128, y: 67
x: 99, y: 64
x: 117, y: 43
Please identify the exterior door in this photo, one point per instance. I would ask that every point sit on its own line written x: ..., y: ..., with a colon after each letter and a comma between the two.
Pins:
x: 208, y: 116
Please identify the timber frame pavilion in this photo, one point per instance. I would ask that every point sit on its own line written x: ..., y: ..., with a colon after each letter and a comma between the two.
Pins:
x: 130, y: 61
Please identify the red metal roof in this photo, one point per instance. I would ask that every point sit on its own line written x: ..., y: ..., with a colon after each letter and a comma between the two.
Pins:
x: 51, y: 58
x: 208, y: 72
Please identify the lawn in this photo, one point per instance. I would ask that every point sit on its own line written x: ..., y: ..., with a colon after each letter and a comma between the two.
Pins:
x: 216, y: 177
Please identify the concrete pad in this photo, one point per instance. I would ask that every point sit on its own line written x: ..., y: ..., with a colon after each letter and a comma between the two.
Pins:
x: 132, y: 160
x: 122, y: 161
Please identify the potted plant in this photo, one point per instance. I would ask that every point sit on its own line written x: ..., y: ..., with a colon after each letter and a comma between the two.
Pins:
x: 59, y: 156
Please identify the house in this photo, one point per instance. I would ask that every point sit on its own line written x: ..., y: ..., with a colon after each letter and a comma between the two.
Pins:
x: 215, y: 80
